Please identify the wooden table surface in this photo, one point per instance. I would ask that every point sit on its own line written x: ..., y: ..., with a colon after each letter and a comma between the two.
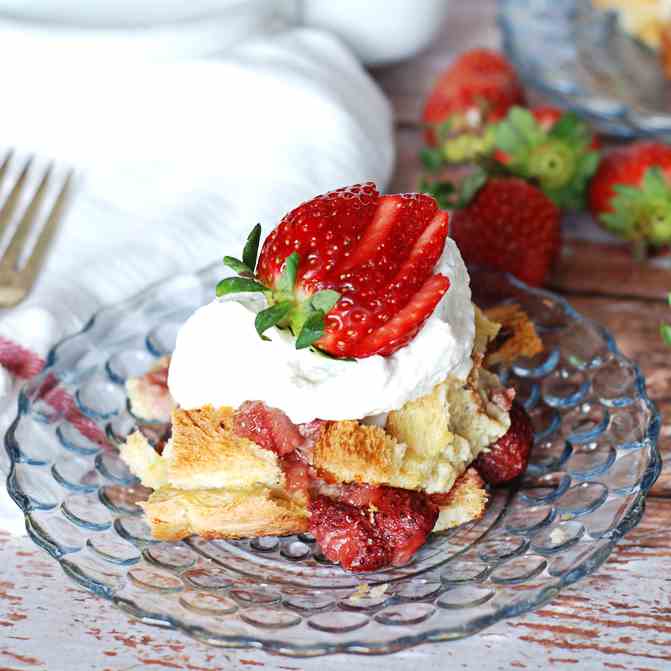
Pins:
x: 619, y: 618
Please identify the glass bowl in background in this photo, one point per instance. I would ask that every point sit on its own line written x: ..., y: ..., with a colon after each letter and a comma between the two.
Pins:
x: 579, y: 58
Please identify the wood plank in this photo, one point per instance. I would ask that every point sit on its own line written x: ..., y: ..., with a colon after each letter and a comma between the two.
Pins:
x: 608, y: 268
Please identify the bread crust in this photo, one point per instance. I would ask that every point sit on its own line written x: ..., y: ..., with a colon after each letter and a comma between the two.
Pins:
x: 174, y: 514
x: 205, y: 453
x: 522, y: 339
x: 426, y: 445
x: 215, y: 484
x: 466, y: 501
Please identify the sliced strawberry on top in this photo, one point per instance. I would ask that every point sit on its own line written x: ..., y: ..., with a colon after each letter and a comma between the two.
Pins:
x: 322, y: 231
x: 405, y: 324
x: 268, y: 427
x: 350, y: 272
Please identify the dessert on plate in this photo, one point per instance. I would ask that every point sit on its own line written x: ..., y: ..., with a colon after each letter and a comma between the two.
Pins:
x: 339, y: 385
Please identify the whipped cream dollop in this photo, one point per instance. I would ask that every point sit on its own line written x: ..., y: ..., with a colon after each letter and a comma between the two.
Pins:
x: 220, y: 360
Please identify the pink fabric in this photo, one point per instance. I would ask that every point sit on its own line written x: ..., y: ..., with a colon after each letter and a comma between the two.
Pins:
x: 25, y: 364
x: 18, y: 360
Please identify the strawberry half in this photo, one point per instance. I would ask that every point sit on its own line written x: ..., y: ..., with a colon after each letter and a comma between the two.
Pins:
x: 630, y: 195
x: 550, y: 148
x: 350, y: 272
x: 476, y: 90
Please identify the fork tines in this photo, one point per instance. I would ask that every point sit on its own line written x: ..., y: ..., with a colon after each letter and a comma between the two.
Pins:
x: 15, y: 281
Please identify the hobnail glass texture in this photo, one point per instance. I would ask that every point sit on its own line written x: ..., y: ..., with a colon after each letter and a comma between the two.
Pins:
x: 594, y: 459
x: 579, y: 57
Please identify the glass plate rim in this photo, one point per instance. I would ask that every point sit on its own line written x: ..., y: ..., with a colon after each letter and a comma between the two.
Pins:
x: 361, y: 647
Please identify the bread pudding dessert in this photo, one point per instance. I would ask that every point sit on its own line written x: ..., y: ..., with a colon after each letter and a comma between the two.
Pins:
x: 338, y: 386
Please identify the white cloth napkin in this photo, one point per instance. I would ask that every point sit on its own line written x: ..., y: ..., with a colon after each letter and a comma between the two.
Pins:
x: 176, y: 162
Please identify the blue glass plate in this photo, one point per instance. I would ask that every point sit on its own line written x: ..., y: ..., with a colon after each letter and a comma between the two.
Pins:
x: 579, y: 58
x: 595, y: 457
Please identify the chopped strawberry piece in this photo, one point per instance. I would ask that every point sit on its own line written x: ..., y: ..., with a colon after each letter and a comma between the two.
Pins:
x: 347, y: 536
x: 312, y: 430
x: 297, y: 473
x: 508, y: 457
x: 360, y: 495
x: 268, y: 427
x: 393, y: 522
x: 158, y: 377
x: 405, y: 519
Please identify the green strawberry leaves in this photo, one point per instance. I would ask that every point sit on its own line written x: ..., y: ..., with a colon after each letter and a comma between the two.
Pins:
x: 238, y: 266
x: 251, y: 250
x: 287, y: 280
x: 470, y: 186
x: 451, y: 196
x: 517, y: 132
x: 442, y: 191
x: 305, y: 317
x: 235, y: 285
x: 560, y: 160
x: 272, y: 316
x: 431, y: 158
x: 245, y: 268
x: 312, y: 330
x: 665, y: 329
x: 642, y: 213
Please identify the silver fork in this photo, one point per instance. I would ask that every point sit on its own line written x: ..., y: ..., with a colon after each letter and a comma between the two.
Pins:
x: 15, y: 282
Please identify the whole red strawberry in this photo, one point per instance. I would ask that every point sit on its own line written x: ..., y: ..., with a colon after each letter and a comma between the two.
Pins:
x: 630, y: 195
x: 477, y: 89
x: 350, y: 272
x: 511, y: 226
x: 508, y: 457
x: 554, y: 149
